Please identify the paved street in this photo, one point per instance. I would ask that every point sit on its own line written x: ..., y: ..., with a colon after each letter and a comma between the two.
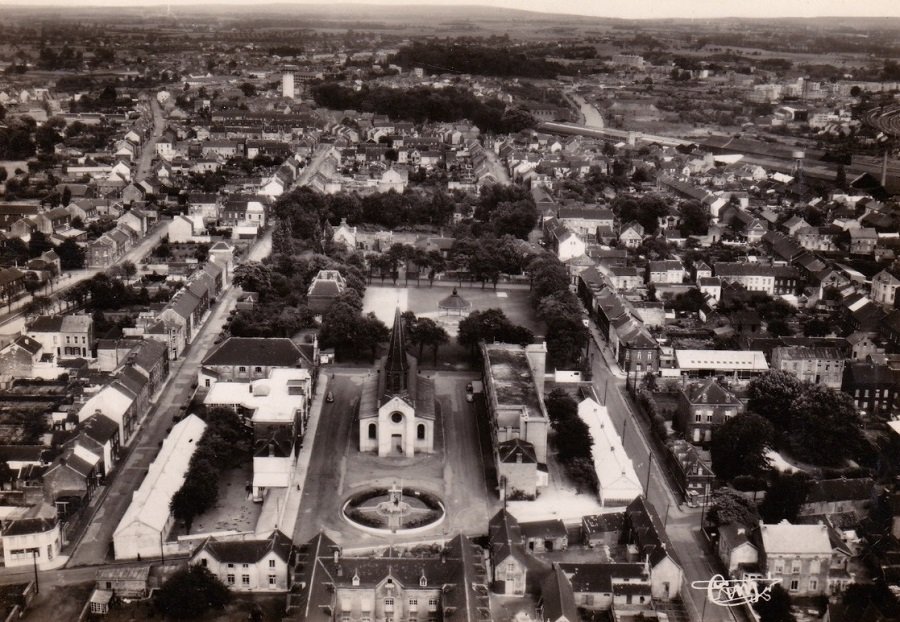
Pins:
x: 149, y: 148
x: 307, y: 173
x: 682, y: 523
x: 336, y: 468
x: 94, y: 547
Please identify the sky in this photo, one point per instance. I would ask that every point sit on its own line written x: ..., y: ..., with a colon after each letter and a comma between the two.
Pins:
x: 600, y: 8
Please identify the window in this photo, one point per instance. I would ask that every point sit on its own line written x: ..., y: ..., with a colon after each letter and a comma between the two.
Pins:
x: 795, y: 566
x: 273, y: 580
x: 231, y: 565
x: 413, y: 604
x: 257, y: 369
x: 245, y: 579
x: 388, y: 604
x: 373, y: 431
x: 271, y: 563
x: 203, y: 562
x: 396, y: 417
x: 698, y: 418
x: 779, y: 567
x: 588, y: 599
x: 795, y: 585
x: 420, y: 432
x: 709, y: 418
x: 813, y: 585
x: 229, y: 578
x: 432, y: 604
x: 245, y: 566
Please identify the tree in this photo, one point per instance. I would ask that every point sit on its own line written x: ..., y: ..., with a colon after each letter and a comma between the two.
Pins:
x: 785, y: 495
x: 739, y: 446
x: 490, y: 325
x: 777, y: 608
x: 198, y: 493
x: 560, y: 405
x: 426, y: 332
x: 694, y: 218
x: 825, y: 426
x: 254, y: 277
x: 728, y: 506
x: 772, y: 394
x: 690, y: 301
x: 128, y: 269
x: 190, y: 593
x: 38, y: 243
x: 840, y: 179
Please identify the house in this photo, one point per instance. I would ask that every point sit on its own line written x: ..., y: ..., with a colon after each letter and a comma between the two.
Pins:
x: 875, y: 388
x: 625, y: 278
x: 694, y: 476
x: 562, y: 240
x: 513, y: 378
x: 631, y: 235
x: 344, y: 235
x: 507, y: 554
x: 623, y: 586
x: 863, y: 240
x: 702, y: 407
x: 815, y: 365
x: 884, y: 287
x: 432, y: 586
x: 248, y: 565
x: 124, y: 582
x: 544, y: 536
x: 31, y: 542
x: 665, y: 271
x: 774, y: 280
x: 65, y: 336
x: 585, y: 221
x: 117, y: 403
x: 146, y: 523
x: 836, y: 496
x: 599, y: 530
x: 645, y: 533
x: 737, y: 550
x: 244, y: 359
x: 557, y: 602
x: 100, y: 435
x: 19, y: 357
x: 70, y: 481
x: 799, y: 555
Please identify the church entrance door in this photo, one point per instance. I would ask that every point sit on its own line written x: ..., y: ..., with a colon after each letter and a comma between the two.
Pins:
x: 397, y: 444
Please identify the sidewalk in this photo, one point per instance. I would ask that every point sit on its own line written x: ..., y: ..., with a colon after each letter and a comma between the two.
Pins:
x: 286, y: 519
x: 608, y: 357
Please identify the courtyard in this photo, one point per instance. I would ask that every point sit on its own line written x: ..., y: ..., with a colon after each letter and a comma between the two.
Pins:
x: 383, y: 300
x: 454, y: 472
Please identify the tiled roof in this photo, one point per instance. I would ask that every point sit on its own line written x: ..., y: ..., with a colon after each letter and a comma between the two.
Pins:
x: 247, y: 551
x: 255, y: 351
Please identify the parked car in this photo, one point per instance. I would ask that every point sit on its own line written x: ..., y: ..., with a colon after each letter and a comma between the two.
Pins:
x: 329, y: 397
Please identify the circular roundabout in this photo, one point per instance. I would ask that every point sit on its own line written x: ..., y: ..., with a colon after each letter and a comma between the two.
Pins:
x: 394, y: 509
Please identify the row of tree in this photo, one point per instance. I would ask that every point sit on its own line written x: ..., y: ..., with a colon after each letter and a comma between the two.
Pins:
x: 224, y: 445
x: 424, y: 104
x: 573, y: 440
x: 559, y: 308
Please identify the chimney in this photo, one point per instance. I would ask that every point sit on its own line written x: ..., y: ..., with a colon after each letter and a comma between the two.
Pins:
x: 337, y: 555
x: 518, y: 457
x: 271, y: 449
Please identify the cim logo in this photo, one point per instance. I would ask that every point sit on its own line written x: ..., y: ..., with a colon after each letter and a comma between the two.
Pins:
x: 735, y: 592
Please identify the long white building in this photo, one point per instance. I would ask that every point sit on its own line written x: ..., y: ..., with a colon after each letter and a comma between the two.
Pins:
x: 147, y: 520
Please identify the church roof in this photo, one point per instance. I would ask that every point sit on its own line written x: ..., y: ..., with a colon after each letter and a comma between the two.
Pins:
x: 396, y: 357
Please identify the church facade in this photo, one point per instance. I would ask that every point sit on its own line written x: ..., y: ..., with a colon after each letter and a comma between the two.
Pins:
x: 396, y: 412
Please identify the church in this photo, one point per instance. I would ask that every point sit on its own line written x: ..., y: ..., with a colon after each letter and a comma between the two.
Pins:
x: 396, y: 410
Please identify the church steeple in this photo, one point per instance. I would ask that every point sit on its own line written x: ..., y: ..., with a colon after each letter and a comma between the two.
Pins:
x: 396, y: 368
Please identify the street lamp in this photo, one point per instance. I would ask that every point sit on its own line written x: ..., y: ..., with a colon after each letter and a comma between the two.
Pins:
x: 37, y: 585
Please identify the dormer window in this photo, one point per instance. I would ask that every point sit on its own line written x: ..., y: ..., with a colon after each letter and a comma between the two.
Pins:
x: 355, y: 580
x: 423, y: 582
